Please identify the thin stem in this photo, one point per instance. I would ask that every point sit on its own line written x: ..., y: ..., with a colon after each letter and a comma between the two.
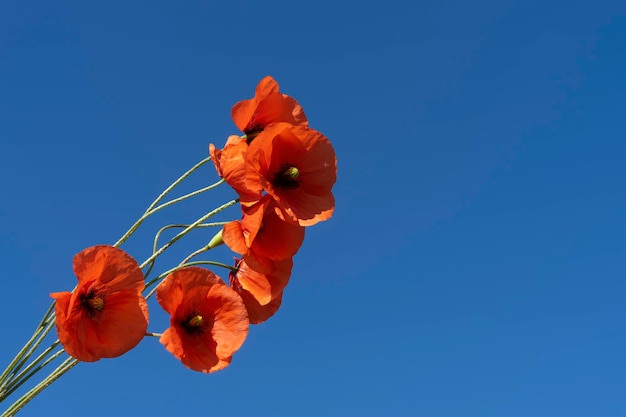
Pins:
x: 187, y: 230
x: 171, y: 226
x: 178, y: 181
x: 194, y: 254
x: 176, y: 268
x: 15, y: 386
x: 14, y: 376
x: 45, y: 331
x: 32, y: 364
x: 181, y: 266
x: 28, y: 396
x: 214, y: 263
x: 17, y: 362
x: 150, y: 208
x: 184, y: 197
x: 181, y: 226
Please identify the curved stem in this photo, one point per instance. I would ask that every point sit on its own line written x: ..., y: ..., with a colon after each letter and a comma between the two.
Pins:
x: 184, y: 197
x: 28, y: 396
x: 19, y: 359
x: 172, y: 226
x: 194, y: 254
x: 187, y: 230
x: 15, y: 385
x: 214, y: 263
x: 178, y: 181
x: 149, y: 211
x: 181, y: 266
x: 13, y: 378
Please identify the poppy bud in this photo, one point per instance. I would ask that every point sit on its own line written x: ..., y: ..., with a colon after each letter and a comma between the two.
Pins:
x: 216, y: 240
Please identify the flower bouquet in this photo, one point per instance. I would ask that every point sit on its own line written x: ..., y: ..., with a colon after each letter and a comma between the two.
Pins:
x: 282, y: 171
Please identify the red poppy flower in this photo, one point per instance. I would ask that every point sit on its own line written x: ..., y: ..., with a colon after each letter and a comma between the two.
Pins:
x: 268, y: 106
x: 262, y: 294
x: 209, y: 322
x: 225, y: 160
x: 262, y: 240
x: 230, y: 165
x: 263, y: 286
x: 297, y: 166
x: 106, y: 315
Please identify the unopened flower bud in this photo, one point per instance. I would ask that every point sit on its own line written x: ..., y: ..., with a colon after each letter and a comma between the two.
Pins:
x: 216, y: 240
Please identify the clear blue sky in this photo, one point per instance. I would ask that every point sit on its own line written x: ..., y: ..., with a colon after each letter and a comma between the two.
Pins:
x: 475, y: 263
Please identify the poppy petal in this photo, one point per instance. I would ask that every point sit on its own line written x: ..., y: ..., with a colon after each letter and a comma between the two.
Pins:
x: 209, y: 322
x: 267, y: 106
x: 297, y: 166
x: 263, y: 286
x: 108, y: 266
x: 106, y: 315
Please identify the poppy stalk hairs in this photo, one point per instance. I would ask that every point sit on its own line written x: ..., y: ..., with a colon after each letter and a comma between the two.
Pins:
x: 281, y: 172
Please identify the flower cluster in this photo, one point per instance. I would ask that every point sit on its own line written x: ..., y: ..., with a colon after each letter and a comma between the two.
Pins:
x: 283, y: 173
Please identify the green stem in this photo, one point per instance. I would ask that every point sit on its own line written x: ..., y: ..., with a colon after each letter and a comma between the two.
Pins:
x: 187, y: 230
x: 194, y: 254
x: 149, y: 211
x: 17, y: 383
x: 214, y: 263
x: 13, y: 378
x: 184, y: 197
x: 28, y: 396
x: 178, y: 181
x: 171, y: 226
x: 17, y: 362
x: 181, y: 266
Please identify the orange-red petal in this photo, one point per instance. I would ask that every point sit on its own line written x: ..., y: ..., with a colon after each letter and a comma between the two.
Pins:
x: 230, y: 165
x: 257, y: 313
x: 240, y: 235
x: 277, y: 239
x: 113, y: 278
x: 263, y: 286
x: 268, y: 106
x: 109, y: 267
x: 308, y: 198
x: 195, y: 354
x: 197, y: 291
x: 233, y: 237
x: 262, y: 241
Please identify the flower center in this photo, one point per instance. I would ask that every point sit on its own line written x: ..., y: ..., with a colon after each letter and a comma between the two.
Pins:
x: 288, y: 176
x: 97, y: 303
x: 93, y: 303
x: 251, y: 134
x: 195, y: 321
x: 194, y: 324
x: 253, y: 129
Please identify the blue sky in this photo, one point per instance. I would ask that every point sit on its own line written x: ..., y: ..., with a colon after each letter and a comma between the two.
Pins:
x: 474, y: 264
